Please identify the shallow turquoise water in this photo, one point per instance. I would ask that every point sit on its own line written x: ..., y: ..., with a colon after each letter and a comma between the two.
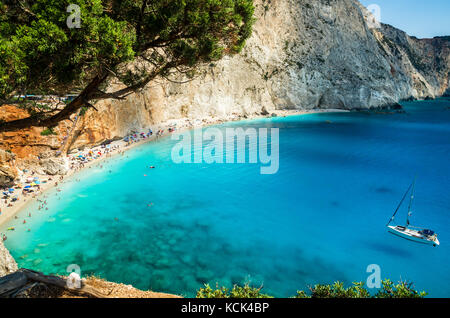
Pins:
x: 321, y: 218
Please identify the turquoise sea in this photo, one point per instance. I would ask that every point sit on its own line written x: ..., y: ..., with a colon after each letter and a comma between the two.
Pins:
x: 320, y: 219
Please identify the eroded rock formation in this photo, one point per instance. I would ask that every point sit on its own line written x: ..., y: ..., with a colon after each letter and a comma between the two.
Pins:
x: 7, y: 263
x: 8, y: 171
x: 22, y: 149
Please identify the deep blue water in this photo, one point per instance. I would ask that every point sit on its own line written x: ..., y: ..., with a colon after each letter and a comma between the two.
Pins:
x: 320, y: 219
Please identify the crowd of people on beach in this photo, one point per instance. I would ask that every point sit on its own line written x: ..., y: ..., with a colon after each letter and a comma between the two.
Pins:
x: 28, y: 186
x: 80, y: 159
x: 133, y: 138
x: 41, y: 207
x: 30, y: 183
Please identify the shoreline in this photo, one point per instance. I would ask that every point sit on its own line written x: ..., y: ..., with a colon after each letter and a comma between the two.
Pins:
x: 120, y: 147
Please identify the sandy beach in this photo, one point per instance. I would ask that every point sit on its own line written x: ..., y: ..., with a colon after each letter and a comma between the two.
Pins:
x: 118, y: 147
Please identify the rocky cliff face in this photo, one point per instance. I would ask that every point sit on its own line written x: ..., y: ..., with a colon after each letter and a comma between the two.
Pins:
x: 7, y: 264
x: 424, y: 63
x: 27, y: 142
x: 8, y: 171
x: 302, y: 55
x: 20, y: 149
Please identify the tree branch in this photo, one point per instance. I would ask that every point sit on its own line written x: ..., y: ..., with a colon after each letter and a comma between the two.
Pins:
x: 139, y: 24
x: 65, y: 113
x: 12, y: 284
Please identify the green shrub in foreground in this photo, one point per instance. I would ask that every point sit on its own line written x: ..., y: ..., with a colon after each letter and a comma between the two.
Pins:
x: 336, y: 290
x: 236, y: 292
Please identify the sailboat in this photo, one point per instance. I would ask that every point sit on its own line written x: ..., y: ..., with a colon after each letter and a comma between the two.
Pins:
x: 412, y: 233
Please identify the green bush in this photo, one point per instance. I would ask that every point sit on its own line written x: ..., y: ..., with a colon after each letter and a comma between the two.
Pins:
x: 237, y: 292
x: 48, y: 132
x: 336, y: 290
x: 401, y: 290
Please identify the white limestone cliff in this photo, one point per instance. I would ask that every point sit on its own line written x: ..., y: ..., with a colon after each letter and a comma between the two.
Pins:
x: 302, y: 55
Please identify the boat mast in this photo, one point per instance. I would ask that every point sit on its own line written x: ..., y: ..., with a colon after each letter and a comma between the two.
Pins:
x: 400, y: 204
x: 410, y: 203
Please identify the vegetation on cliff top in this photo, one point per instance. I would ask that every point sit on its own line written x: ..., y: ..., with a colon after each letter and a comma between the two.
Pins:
x: 43, y: 49
x: 29, y: 283
x: 337, y: 290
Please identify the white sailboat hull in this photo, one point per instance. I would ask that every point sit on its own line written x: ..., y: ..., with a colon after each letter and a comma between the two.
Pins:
x: 413, y: 235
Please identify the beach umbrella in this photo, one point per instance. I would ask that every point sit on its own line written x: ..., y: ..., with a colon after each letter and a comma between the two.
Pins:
x: 11, y: 190
x: 27, y: 187
x: 38, y: 182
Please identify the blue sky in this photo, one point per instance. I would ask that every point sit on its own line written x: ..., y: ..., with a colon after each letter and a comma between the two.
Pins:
x: 421, y: 18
